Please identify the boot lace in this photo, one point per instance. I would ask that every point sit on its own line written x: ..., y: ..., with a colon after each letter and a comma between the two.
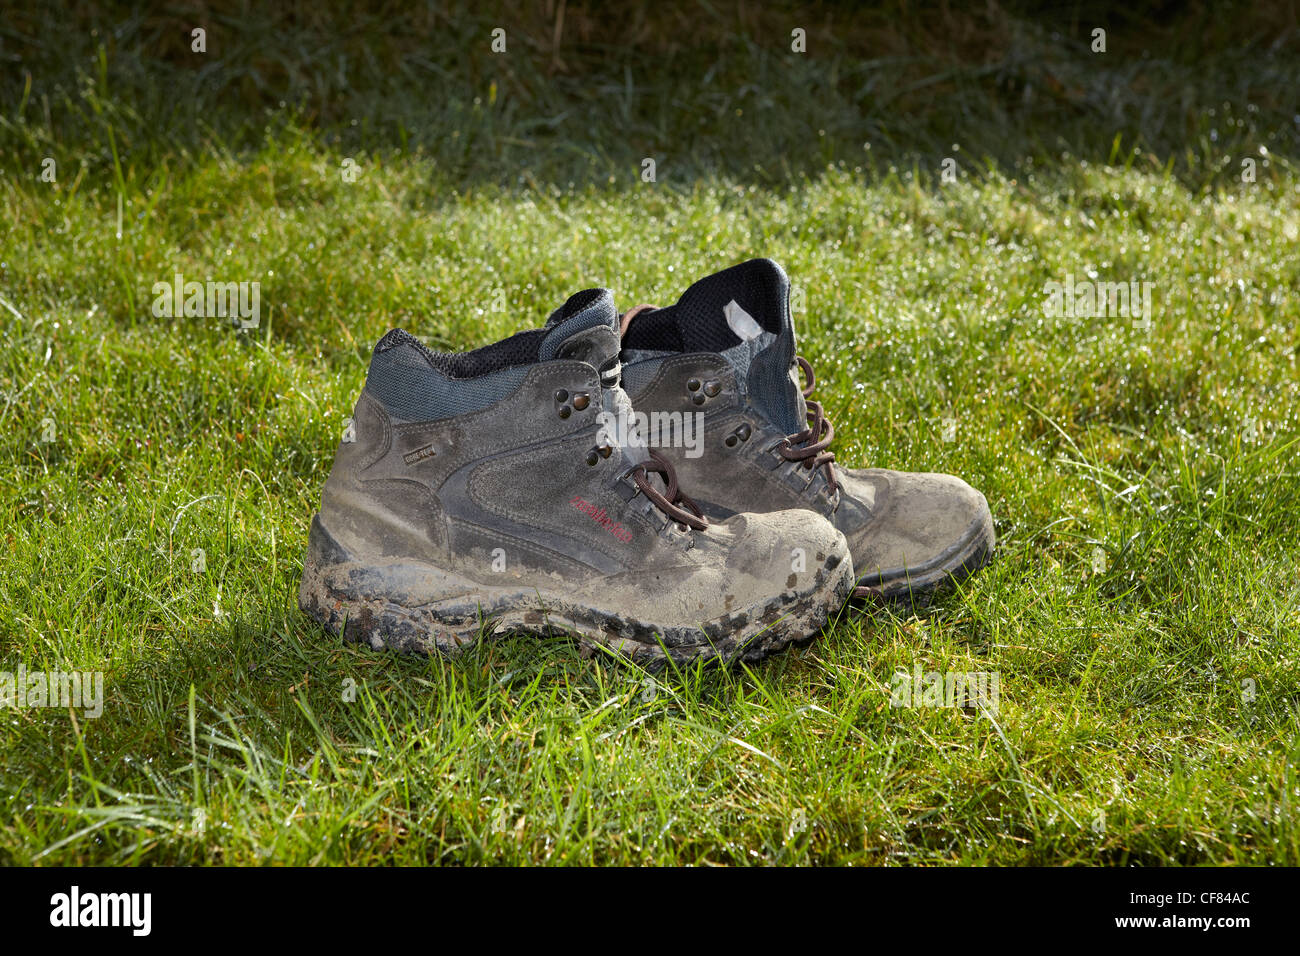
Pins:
x: 814, y: 440
x: 809, y: 446
x: 672, y: 501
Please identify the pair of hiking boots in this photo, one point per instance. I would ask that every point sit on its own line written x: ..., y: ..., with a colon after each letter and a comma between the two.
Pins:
x: 657, y: 483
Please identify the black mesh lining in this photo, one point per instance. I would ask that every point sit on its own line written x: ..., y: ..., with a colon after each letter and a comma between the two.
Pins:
x: 519, y: 349
x: 523, y: 348
x: 697, y: 323
x: 656, y: 331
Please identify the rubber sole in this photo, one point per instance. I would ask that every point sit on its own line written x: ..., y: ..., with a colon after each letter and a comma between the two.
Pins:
x: 376, y: 605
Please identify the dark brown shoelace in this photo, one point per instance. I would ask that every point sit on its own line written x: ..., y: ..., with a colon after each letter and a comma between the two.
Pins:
x: 813, y: 441
x: 671, y: 501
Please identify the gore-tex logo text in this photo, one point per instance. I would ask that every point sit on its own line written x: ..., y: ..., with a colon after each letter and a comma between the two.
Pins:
x: 599, y: 516
x: 414, y: 457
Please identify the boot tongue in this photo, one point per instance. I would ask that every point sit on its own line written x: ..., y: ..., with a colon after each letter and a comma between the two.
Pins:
x: 744, y: 313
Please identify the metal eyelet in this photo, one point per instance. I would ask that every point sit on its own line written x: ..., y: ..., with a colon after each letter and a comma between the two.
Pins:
x: 739, y: 434
x: 568, y: 403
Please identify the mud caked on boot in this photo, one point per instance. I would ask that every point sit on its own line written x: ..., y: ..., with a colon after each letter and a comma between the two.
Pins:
x: 727, y: 350
x: 486, y: 491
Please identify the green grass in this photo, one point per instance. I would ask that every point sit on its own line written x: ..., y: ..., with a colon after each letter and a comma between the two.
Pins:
x: 226, y: 738
x: 1143, y: 613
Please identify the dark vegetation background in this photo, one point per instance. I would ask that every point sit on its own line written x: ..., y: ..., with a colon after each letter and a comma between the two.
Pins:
x: 588, y: 89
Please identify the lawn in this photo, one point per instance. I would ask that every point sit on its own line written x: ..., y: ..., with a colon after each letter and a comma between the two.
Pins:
x: 158, y: 475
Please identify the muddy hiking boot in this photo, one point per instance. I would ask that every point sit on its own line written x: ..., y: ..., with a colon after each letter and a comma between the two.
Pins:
x: 487, y: 490
x: 727, y: 350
